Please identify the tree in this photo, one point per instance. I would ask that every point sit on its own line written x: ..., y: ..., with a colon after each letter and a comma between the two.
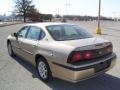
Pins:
x: 46, y: 16
x: 33, y: 14
x: 22, y: 7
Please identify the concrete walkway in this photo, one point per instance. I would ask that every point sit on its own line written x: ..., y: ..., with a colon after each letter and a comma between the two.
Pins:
x: 2, y: 24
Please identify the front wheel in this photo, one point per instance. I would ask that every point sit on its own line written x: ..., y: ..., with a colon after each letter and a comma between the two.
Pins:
x: 10, y: 51
x: 44, y: 70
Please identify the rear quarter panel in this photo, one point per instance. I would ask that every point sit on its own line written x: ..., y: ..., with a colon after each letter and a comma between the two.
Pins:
x: 54, y: 51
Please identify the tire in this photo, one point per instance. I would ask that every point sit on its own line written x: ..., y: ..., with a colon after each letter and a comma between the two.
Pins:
x: 43, y: 70
x: 10, y: 51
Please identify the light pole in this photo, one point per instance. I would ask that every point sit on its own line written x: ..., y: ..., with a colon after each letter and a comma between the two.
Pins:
x: 67, y: 4
x: 99, y: 12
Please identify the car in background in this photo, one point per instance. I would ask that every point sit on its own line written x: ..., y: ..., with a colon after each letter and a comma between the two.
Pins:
x: 62, y: 50
x: 64, y: 20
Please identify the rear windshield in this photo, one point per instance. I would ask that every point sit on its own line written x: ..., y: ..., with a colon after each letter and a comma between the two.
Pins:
x: 67, y: 32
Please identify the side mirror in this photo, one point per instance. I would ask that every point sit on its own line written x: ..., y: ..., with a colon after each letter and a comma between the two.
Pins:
x: 15, y: 34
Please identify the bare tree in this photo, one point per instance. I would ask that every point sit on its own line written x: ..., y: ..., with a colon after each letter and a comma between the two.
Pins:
x: 33, y: 14
x: 22, y: 7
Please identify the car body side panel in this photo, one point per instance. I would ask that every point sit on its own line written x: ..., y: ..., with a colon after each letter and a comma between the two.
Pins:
x: 53, y: 51
x: 28, y: 48
x: 15, y: 45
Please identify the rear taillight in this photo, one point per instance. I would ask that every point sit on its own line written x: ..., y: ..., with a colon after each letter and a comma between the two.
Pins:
x: 110, y: 49
x: 87, y: 55
x: 79, y: 56
x: 76, y: 56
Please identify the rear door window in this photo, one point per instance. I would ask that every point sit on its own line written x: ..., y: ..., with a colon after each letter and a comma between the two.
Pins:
x: 34, y: 33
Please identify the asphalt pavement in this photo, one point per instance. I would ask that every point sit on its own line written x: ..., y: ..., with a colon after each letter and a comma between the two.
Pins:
x: 16, y: 74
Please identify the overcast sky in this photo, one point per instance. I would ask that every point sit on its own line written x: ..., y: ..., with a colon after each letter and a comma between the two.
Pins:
x: 110, y: 8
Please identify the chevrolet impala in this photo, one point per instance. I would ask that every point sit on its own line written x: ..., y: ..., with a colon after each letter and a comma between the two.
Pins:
x: 62, y: 50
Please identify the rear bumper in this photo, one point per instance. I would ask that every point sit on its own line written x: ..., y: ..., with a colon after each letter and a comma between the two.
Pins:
x: 82, y: 72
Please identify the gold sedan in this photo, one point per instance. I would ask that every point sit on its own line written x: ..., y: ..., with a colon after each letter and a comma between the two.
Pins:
x: 62, y: 50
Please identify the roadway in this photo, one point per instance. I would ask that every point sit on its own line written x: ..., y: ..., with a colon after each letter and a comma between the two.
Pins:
x: 16, y: 74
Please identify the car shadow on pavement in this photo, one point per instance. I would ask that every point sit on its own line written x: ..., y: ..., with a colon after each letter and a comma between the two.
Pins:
x: 27, y: 66
x: 102, y: 82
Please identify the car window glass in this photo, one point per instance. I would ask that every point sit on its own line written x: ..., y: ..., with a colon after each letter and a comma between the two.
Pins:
x: 67, y: 32
x: 55, y: 31
x: 34, y: 33
x: 42, y: 35
x: 22, y: 32
x: 70, y: 31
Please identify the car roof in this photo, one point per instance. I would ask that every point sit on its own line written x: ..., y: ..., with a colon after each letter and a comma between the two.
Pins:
x: 47, y: 24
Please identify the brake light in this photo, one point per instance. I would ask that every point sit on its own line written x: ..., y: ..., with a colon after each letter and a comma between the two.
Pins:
x: 80, y: 56
x: 76, y: 57
x: 87, y: 55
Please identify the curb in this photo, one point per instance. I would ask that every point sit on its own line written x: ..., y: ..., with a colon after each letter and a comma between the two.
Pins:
x: 3, y: 25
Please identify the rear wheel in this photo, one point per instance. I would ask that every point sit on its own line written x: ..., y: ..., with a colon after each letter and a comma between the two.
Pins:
x: 44, y: 70
x: 10, y: 51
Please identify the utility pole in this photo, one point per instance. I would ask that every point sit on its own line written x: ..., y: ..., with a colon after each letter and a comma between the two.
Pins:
x: 67, y: 4
x: 99, y: 15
